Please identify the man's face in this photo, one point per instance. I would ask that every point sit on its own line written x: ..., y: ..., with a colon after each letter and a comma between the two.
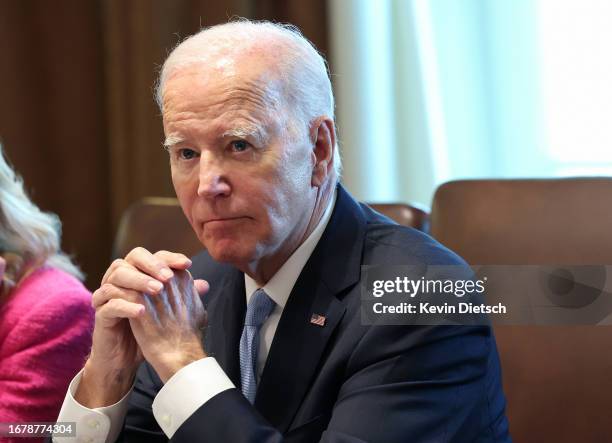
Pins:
x: 243, y: 182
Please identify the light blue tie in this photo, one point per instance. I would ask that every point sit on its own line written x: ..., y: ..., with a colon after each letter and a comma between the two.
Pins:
x: 259, y: 308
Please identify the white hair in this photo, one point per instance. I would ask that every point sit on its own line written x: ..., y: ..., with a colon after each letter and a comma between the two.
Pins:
x: 29, y: 238
x: 302, y: 68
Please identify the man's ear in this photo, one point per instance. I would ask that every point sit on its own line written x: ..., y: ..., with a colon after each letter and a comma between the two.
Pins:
x: 323, y: 135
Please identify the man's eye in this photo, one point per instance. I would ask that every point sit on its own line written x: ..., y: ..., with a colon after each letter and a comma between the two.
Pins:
x: 186, y: 154
x: 239, y: 145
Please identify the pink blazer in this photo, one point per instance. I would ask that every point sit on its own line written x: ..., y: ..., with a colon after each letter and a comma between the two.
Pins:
x: 45, y: 336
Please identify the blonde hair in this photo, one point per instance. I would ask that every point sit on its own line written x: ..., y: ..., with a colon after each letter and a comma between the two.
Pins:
x: 29, y: 238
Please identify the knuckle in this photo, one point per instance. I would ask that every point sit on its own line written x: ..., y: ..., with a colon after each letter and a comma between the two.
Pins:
x: 138, y: 250
x: 114, y: 265
x: 95, y: 301
x: 131, y: 296
x: 96, y: 296
x: 106, y: 288
x: 102, y: 292
x: 104, y: 310
x: 111, y: 277
x: 114, y: 303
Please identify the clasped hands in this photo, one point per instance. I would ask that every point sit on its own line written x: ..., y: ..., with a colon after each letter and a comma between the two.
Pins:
x: 148, y: 306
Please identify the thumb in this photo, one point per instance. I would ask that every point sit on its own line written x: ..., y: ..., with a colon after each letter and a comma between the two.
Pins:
x: 201, y: 286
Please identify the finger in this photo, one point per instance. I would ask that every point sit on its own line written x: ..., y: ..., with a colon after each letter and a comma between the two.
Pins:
x: 2, y: 267
x: 190, y: 305
x: 133, y: 279
x: 173, y: 295
x: 117, y: 309
x: 201, y: 286
x: 114, y: 265
x: 149, y: 264
x: 178, y: 290
x: 174, y: 259
x: 200, y: 313
x: 107, y: 292
x: 152, y: 303
x: 168, y: 304
x: 176, y: 294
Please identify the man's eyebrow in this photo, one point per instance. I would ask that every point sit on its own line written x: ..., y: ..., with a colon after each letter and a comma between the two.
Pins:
x: 254, y: 131
x: 172, y: 140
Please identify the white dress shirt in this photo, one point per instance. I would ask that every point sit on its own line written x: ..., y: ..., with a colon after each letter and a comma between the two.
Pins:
x: 201, y: 380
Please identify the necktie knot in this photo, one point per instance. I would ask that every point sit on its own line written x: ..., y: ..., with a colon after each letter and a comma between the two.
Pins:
x: 259, y: 308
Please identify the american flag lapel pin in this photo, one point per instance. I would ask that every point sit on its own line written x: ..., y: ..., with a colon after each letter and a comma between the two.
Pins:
x: 317, y: 319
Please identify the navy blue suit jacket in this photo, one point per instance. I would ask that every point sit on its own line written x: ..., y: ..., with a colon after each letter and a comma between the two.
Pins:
x: 343, y: 382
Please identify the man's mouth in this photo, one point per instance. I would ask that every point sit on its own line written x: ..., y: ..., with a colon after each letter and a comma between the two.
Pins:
x: 223, y: 220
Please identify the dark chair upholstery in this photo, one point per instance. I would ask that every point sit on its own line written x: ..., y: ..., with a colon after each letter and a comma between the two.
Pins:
x: 157, y: 223
x: 404, y: 214
x: 558, y: 379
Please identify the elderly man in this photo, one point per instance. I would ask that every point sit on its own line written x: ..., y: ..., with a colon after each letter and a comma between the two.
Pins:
x: 248, y: 117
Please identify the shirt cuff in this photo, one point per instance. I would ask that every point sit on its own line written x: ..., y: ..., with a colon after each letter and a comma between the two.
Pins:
x: 98, y: 425
x: 186, y: 391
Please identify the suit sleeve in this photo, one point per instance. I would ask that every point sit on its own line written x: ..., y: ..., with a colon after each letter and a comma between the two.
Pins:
x: 140, y: 425
x: 417, y: 384
x: 428, y: 385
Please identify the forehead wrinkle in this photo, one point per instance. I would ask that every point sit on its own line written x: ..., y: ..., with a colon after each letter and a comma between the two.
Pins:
x: 237, y: 106
x: 260, y: 86
x: 252, y: 95
x: 241, y: 100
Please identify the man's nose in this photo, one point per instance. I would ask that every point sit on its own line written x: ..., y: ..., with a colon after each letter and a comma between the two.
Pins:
x: 213, y: 180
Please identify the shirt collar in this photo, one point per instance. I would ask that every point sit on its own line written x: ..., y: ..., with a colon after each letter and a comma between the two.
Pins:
x: 281, y: 284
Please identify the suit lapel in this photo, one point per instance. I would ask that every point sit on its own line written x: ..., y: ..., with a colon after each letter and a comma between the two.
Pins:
x: 299, y: 344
